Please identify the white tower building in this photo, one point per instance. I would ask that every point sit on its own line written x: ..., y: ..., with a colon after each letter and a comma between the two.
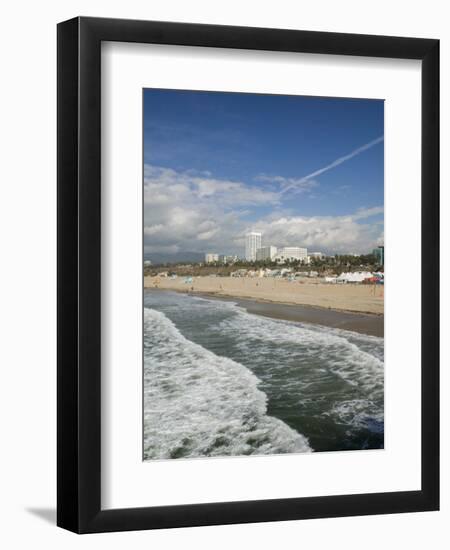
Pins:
x: 266, y: 253
x: 289, y: 253
x: 252, y: 243
x: 211, y: 258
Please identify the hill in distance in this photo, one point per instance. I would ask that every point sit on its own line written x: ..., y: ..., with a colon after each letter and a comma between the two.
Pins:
x: 188, y: 256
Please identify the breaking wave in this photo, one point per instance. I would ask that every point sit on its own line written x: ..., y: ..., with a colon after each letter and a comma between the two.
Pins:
x: 310, y: 355
x: 354, y: 357
x: 197, y: 403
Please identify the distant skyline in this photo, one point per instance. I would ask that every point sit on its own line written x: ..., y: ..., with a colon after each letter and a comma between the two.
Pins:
x: 304, y: 171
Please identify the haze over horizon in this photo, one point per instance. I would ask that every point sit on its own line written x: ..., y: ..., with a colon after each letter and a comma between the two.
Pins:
x: 304, y: 171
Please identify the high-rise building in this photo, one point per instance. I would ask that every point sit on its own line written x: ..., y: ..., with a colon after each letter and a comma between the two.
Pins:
x: 266, y: 253
x: 379, y: 254
x: 291, y: 253
x: 253, y: 241
x: 211, y: 258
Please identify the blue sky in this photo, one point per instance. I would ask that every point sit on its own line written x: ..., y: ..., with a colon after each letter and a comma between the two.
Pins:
x: 306, y: 171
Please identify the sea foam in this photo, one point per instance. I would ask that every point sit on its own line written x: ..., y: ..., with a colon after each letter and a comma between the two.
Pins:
x: 307, y: 357
x: 356, y: 358
x: 197, y: 403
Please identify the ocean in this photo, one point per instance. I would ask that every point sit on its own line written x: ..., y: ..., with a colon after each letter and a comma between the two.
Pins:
x: 219, y: 381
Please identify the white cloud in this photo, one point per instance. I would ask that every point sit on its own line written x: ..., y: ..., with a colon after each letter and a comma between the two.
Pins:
x: 230, y: 193
x: 185, y: 211
x: 364, y: 213
x: 331, y: 234
x: 188, y: 211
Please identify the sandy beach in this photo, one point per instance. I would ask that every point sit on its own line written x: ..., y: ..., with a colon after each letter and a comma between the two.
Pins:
x: 367, y: 299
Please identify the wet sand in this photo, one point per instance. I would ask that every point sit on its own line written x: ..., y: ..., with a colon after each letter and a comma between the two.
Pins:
x: 357, y: 322
x: 363, y: 323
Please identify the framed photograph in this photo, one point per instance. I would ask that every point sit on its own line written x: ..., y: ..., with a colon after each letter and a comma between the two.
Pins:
x: 248, y: 288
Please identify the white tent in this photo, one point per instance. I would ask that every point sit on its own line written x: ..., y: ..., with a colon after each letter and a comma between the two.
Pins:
x: 355, y: 277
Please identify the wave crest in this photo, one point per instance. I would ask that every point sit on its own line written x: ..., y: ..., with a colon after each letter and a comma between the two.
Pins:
x: 197, y: 403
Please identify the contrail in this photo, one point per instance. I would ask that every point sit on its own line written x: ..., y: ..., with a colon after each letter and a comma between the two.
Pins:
x: 335, y: 163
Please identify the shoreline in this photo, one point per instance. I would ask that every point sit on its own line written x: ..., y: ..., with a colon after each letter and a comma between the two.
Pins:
x: 369, y: 323
x: 258, y: 300
x: 361, y: 299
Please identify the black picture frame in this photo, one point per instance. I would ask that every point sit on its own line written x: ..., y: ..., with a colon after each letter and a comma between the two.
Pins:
x: 79, y: 281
